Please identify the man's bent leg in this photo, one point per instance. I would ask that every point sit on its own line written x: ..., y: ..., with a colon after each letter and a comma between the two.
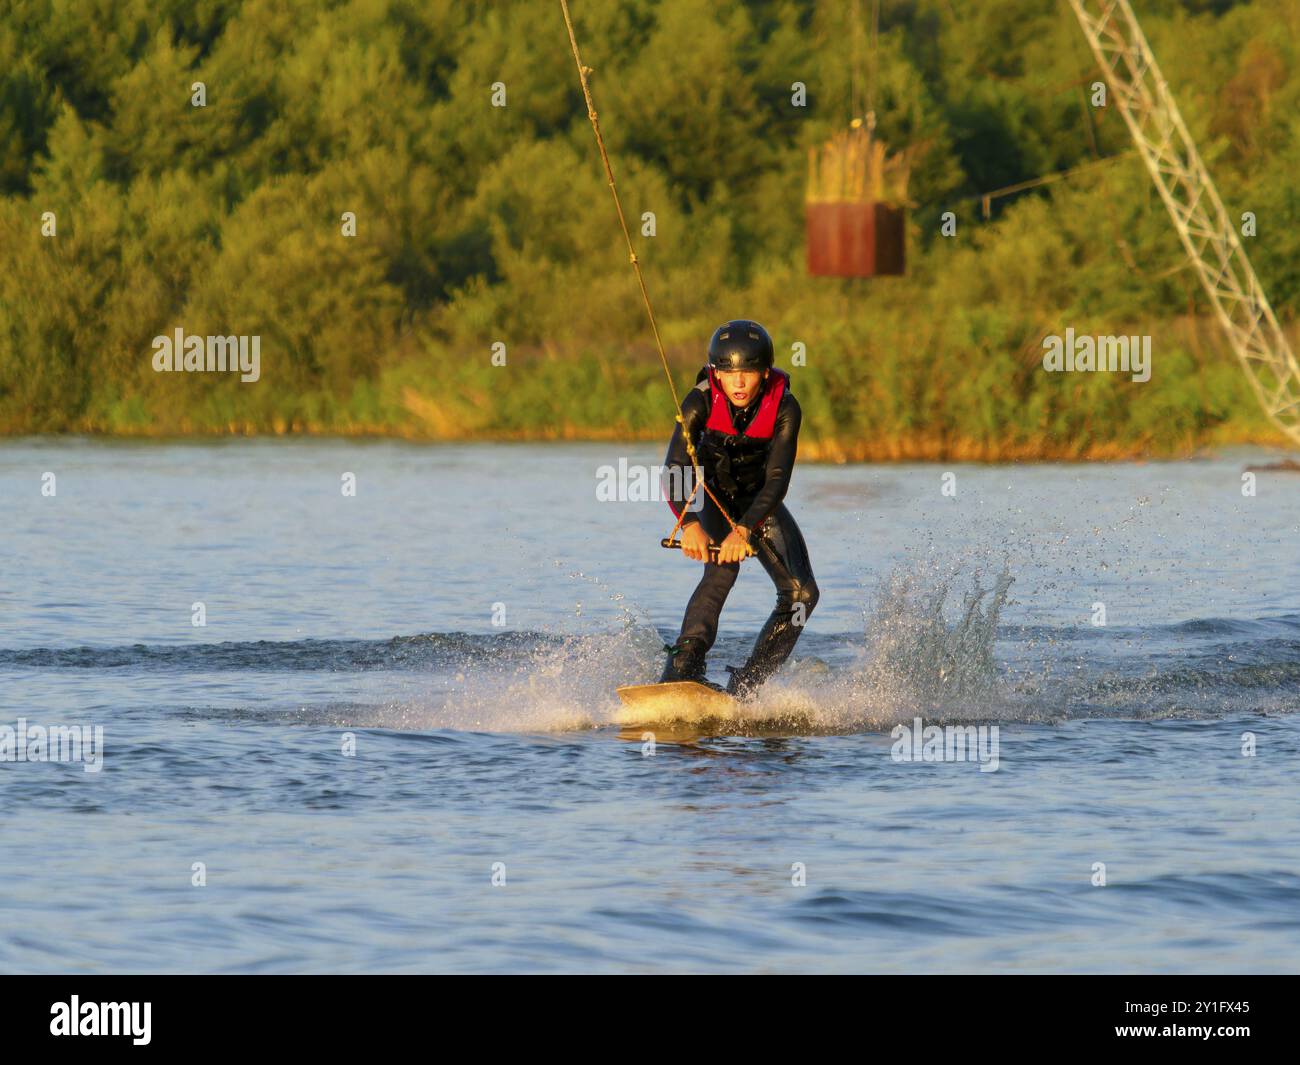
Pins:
x: 796, y: 596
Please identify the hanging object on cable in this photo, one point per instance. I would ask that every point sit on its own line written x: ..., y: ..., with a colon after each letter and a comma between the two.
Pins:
x: 857, y: 192
x: 856, y: 206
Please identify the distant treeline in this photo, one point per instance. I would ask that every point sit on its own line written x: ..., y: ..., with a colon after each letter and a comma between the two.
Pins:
x: 128, y: 213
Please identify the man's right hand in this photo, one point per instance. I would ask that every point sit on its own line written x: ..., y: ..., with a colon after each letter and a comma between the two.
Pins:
x: 696, y: 542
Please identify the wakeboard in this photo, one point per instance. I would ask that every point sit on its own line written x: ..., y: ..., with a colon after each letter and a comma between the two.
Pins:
x: 676, y: 700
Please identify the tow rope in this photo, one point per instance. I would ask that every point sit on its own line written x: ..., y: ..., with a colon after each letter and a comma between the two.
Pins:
x: 698, y: 475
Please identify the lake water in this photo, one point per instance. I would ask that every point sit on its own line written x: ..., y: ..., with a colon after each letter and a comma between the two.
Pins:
x: 402, y: 695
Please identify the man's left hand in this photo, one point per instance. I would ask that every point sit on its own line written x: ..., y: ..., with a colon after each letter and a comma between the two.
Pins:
x: 736, y: 546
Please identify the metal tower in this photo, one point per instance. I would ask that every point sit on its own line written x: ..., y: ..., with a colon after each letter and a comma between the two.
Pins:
x: 1208, y: 234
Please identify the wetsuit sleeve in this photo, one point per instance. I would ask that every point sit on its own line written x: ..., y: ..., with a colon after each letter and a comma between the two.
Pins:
x: 678, y: 475
x: 780, y: 464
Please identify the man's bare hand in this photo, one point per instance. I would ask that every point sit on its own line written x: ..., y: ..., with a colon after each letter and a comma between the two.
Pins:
x: 696, y: 542
x: 736, y: 546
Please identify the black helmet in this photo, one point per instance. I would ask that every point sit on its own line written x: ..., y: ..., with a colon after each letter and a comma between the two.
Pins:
x: 740, y: 345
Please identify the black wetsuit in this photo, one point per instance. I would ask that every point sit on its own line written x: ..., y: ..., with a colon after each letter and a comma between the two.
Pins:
x: 750, y: 478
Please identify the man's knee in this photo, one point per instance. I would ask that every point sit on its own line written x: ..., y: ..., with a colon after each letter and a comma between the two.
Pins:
x: 799, y: 598
x: 806, y: 595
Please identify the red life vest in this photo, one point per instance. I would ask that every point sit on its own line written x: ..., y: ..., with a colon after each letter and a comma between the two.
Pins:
x: 763, y: 424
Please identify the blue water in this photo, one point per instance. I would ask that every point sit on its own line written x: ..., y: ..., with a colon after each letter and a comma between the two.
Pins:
x: 476, y: 743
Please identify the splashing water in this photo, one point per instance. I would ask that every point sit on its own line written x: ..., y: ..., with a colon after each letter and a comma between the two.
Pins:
x: 914, y: 660
x: 915, y: 653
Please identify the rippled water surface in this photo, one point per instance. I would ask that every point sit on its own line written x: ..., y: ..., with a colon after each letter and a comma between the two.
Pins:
x: 487, y: 749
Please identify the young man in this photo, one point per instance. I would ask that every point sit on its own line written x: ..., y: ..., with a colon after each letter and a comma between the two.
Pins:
x: 744, y: 424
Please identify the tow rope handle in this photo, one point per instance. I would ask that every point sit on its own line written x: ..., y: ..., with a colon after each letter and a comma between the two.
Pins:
x: 668, y: 541
x: 713, y: 549
x: 760, y: 539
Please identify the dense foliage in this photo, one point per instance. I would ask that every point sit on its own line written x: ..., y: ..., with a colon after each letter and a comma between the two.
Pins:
x: 478, y: 224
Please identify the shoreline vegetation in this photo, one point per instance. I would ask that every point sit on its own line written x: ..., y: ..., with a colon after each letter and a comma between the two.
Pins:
x: 371, y: 215
x: 855, y: 410
x: 568, y: 399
